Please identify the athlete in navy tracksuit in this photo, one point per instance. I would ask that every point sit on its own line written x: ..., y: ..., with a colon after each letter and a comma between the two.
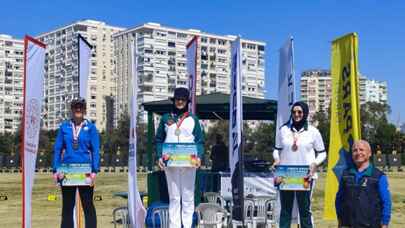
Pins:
x: 77, y: 142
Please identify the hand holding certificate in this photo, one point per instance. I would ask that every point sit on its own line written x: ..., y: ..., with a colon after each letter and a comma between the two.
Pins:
x: 75, y: 174
x: 180, y: 155
x: 293, y: 177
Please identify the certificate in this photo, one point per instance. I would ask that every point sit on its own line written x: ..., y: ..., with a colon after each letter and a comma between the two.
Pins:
x: 75, y: 174
x: 293, y: 177
x: 179, y: 154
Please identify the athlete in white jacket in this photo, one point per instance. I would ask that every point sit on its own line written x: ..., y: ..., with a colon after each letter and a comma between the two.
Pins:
x: 180, y: 126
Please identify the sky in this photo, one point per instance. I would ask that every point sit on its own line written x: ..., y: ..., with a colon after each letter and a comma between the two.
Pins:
x: 314, y: 24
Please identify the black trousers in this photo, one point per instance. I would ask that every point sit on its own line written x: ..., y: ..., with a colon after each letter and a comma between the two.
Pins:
x: 69, y: 199
x: 304, y: 208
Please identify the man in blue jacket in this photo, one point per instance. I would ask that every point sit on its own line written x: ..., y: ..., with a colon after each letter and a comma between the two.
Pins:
x: 363, y: 199
x: 77, y: 141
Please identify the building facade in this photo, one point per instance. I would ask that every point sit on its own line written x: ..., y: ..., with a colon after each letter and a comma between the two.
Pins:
x: 162, y: 63
x: 316, y: 90
x: 61, y: 72
x: 11, y: 83
x: 375, y: 91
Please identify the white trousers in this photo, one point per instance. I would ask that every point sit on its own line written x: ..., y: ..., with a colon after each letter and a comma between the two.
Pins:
x: 180, y: 184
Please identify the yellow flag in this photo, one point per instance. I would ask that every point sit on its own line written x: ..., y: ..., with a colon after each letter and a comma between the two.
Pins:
x: 345, y: 115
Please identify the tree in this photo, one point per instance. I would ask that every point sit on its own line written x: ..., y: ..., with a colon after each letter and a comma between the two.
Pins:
x: 262, y: 138
x: 375, y: 126
x: 118, y: 139
x: 120, y: 136
x: 46, y: 142
x: 258, y: 141
x: 322, y: 122
x: 6, y: 143
x: 220, y: 127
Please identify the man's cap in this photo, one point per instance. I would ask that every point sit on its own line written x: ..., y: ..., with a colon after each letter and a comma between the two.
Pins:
x: 78, y: 101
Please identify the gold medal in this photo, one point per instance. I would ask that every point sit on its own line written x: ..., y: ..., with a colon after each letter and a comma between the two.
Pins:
x: 178, y: 124
x: 294, y: 147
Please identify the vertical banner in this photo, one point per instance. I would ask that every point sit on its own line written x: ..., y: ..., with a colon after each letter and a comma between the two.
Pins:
x: 345, y: 115
x: 235, y: 131
x: 286, y: 99
x: 286, y: 85
x: 84, y: 55
x: 192, y: 72
x: 34, y: 61
x: 84, y: 65
x: 136, y: 211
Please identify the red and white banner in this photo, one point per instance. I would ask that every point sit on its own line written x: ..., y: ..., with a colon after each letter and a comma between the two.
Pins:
x: 34, y: 60
x: 192, y: 72
x: 136, y: 210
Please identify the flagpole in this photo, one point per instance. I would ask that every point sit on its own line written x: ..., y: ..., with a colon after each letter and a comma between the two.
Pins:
x: 22, y: 131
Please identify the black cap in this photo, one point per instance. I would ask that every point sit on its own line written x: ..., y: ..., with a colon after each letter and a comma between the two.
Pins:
x: 181, y: 93
x: 78, y: 101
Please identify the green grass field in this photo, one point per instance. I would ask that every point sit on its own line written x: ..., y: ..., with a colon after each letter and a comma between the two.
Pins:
x: 47, y: 213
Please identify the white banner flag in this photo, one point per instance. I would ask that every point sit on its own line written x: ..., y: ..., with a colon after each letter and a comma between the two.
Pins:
x: 235, y: 131
x: 34, y: 60
x: 192, y: 72
x: 286, y: 98
x: 136, y: 210
x: 84, y: 55
x: 286, y: 85
x: 84, y: 51
x: 235, y: 109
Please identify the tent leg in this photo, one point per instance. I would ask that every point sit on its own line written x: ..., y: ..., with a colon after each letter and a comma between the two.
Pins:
x: 151, y: 134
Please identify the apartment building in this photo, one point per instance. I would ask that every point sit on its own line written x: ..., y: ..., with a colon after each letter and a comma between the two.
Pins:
x: 316, y: 90
x: 61, y: 72
x: 161, y: 68
x: 11, y: 83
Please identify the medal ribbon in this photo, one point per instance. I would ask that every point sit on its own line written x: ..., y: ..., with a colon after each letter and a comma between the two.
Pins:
x: 76, y: 133
x: 294, y: 146
x: 178, y: 124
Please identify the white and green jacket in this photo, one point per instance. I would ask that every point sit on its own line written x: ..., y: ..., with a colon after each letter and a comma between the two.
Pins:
x: 190, y: 132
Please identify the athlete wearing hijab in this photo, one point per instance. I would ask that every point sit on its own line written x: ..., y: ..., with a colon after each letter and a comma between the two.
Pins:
x: 299, y: 144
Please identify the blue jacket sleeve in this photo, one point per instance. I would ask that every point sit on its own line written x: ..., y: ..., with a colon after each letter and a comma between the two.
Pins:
x: 198, y: 137
x: 339, y: 200
x: 57, y: 150
x: 386, y: 199
x: 95, y: 150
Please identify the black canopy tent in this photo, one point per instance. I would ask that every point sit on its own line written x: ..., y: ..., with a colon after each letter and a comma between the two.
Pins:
x: 213, y: 106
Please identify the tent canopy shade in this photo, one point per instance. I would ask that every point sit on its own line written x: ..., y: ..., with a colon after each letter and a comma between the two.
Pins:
x: 216, y: 106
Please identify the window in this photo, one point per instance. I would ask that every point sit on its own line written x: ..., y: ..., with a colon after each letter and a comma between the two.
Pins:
x: 171, y: 44
x: 181, y: 35
x: 221, y: 51
x: 221, y: 42
x: 80, y: 28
